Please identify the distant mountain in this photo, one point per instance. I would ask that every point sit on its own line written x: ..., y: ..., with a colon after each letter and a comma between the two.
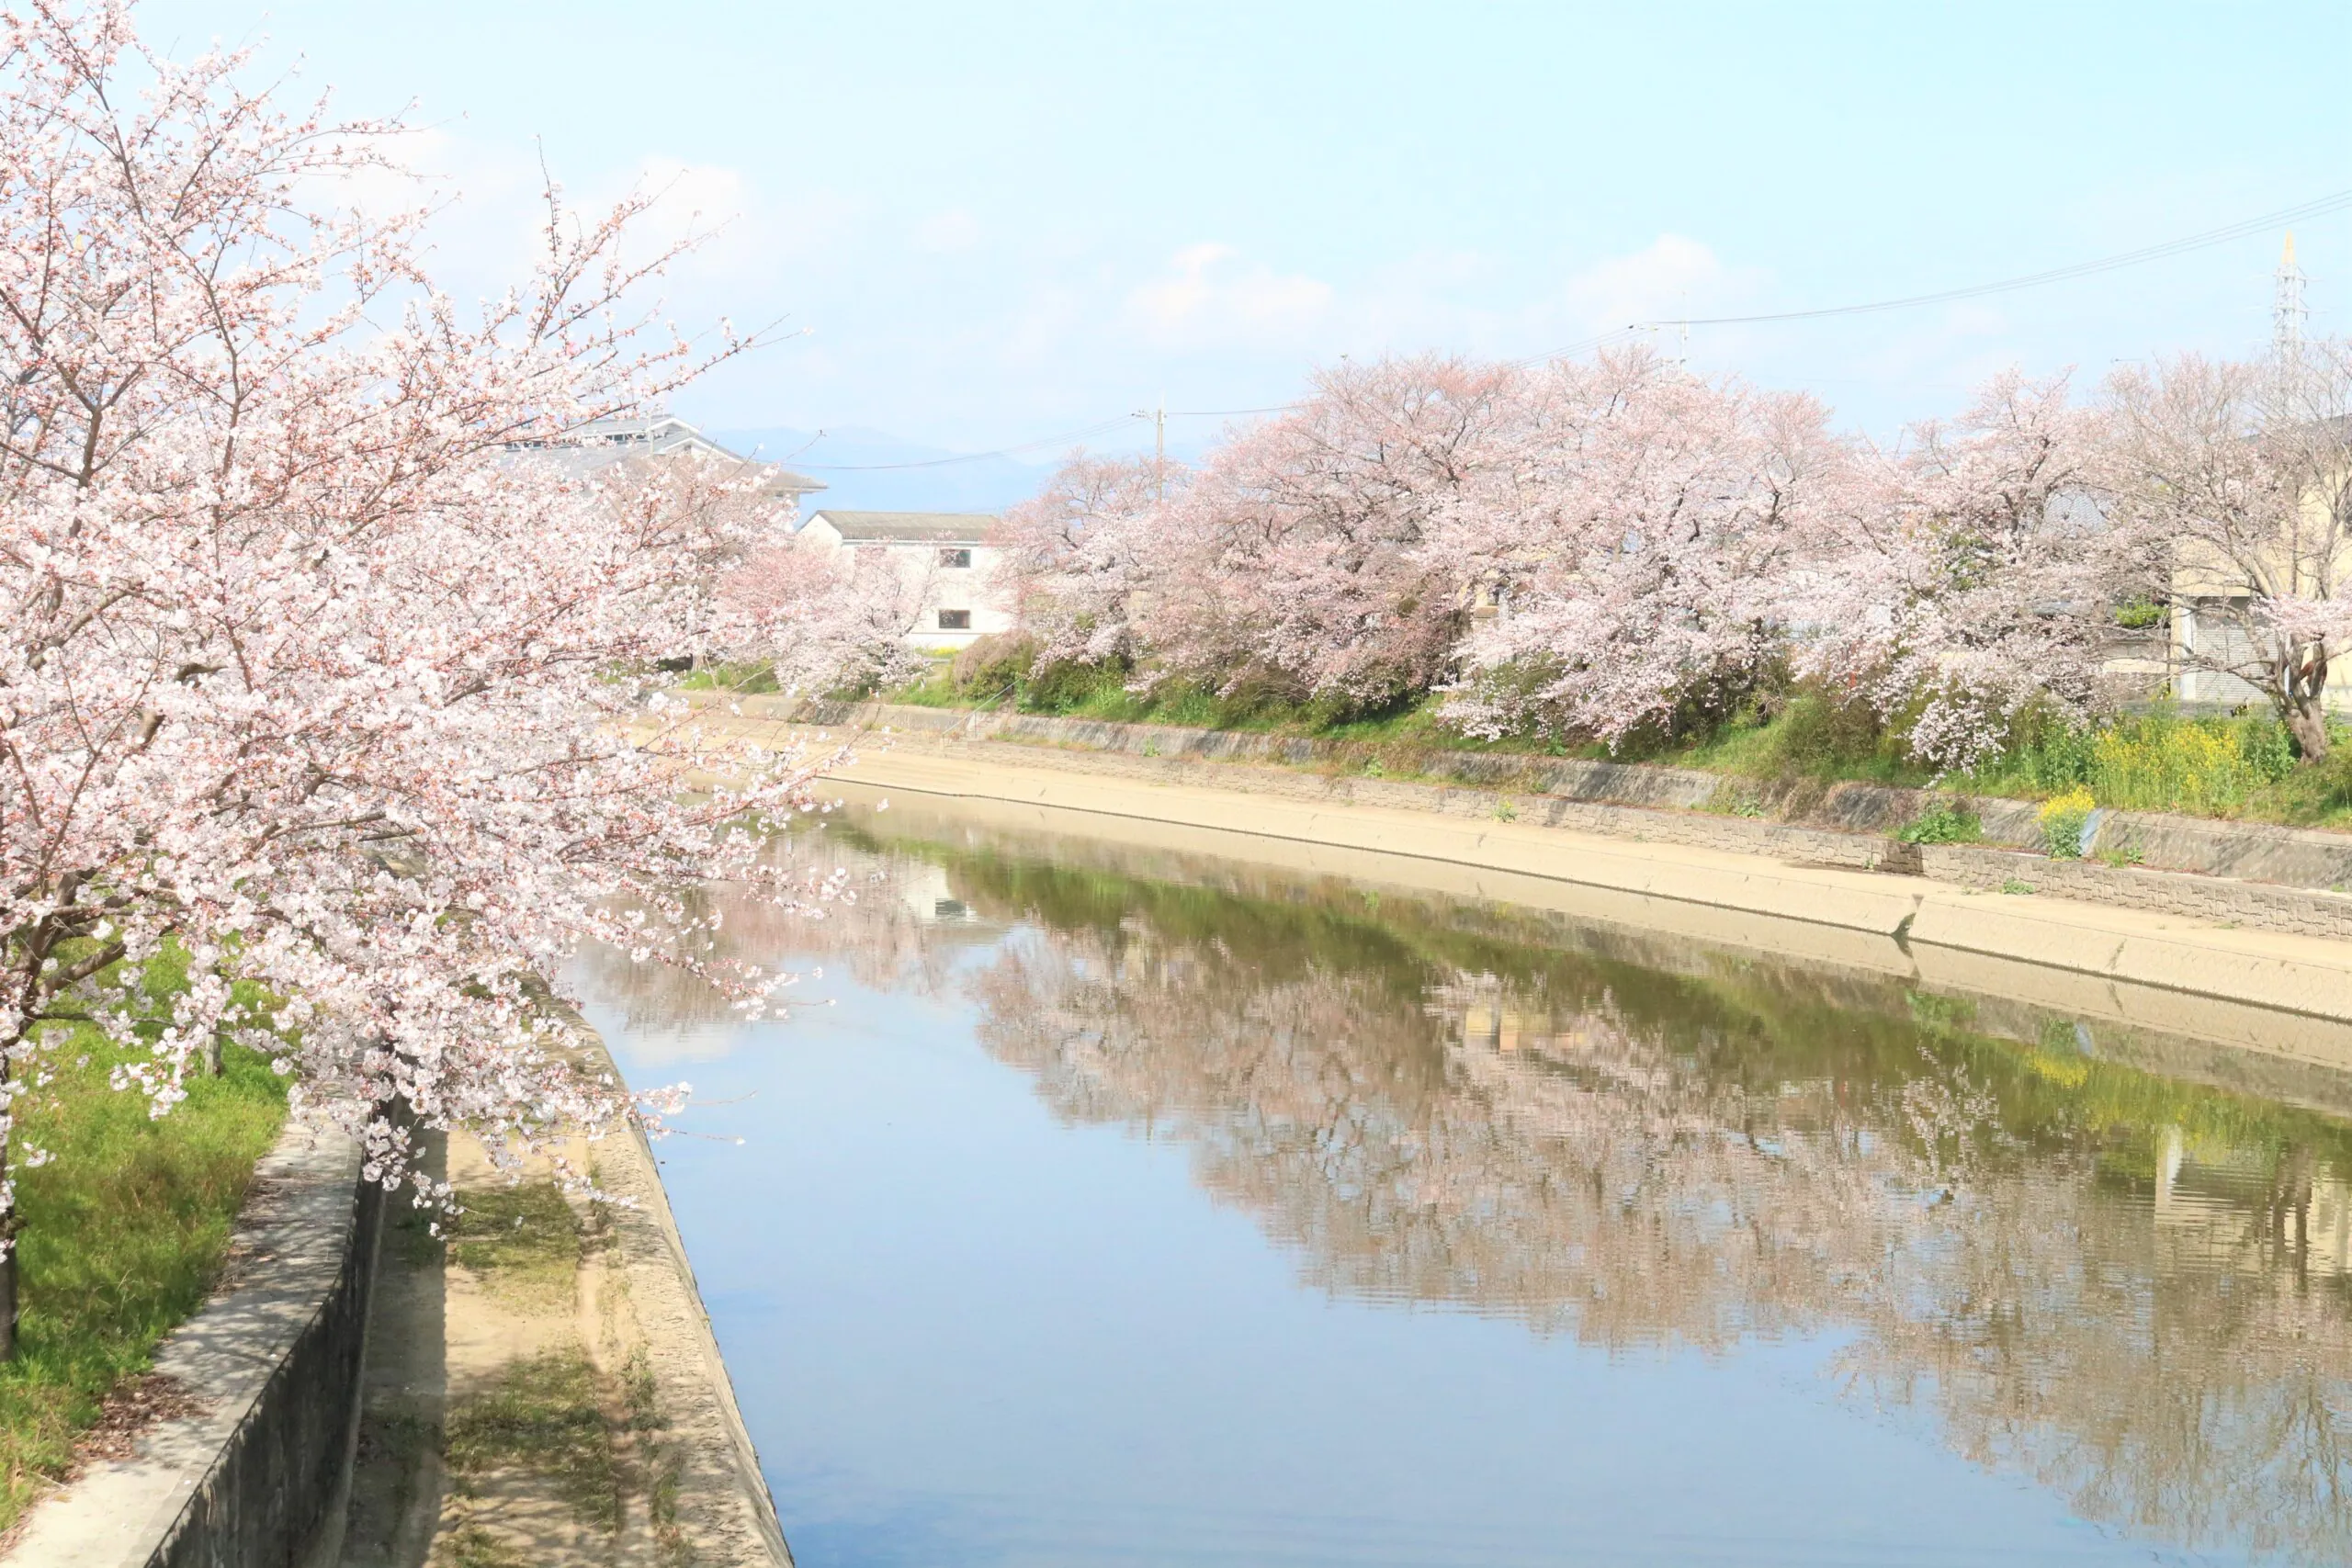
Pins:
x: 864, y: 470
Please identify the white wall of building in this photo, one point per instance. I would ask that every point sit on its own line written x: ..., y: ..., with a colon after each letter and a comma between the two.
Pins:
x: 949, y: 580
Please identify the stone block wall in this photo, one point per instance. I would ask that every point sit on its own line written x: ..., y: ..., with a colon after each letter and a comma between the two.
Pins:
x: 2222, y: 900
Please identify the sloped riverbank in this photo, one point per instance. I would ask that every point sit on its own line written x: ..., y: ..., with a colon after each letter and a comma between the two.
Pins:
x: 2247, y: 851
x: 1896, y: 915
x: 540, y: 1386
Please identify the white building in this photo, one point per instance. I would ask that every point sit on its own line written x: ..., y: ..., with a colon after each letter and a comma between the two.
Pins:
x: 946, y: 555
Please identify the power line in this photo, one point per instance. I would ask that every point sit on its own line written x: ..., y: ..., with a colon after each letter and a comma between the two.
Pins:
x: 2319, y: 208
x: 1032, y: 446
x: 1582, y: 345
x: 967, y: 457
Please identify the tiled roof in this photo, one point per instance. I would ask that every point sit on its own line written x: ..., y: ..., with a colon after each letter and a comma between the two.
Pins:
x: 924, y: 527
x: 607, y: 441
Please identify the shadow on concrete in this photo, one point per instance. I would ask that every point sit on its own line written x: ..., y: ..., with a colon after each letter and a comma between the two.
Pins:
x: 398, y: 1483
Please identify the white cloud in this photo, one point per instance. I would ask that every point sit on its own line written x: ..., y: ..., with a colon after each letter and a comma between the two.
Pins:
x: 1671, y: 278
x: 1208, y: 296
x: 488, y: 205
x: 713, y: 207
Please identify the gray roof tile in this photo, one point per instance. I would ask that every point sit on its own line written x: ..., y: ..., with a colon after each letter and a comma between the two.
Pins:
x: 925, y: 527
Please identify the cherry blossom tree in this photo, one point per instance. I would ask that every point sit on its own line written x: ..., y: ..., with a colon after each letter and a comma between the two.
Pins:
x: 823, y: 619
x: 1637, y: 525
x: 1078, y: 556
x: 2238, y: 478
x: 1973, y: 577
x: 311, y: 666
x: 1306, y: 549
x: 1656, y: 545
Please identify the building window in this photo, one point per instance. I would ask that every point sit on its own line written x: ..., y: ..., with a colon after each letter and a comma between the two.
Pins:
x: 954, y: 620
x: 958, y: 555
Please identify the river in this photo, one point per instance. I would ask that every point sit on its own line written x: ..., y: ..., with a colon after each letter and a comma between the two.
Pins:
x: 1096, y: 1207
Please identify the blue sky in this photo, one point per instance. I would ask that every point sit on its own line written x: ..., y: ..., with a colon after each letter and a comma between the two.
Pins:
x: 1001, y: 223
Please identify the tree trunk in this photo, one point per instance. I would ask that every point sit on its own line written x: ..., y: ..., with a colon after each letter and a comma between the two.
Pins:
x: 40, y: 943
x: 2307, y: 722
x: 11, y: 1221
x: 9, y: 1296
x: 2302, y: 680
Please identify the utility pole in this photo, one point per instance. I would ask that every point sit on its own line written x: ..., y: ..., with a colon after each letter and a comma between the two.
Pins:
x: 1159, y: 417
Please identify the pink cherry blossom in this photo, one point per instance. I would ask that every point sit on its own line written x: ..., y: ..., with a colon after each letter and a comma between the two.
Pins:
x: 318, y: 664
x: 823, y: 619
x: 1970, y: 577
x: 1638, y: 527
x: 1078, y: 556
x: 1306, y: 549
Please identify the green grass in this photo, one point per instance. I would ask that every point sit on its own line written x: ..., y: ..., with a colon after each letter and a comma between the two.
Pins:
x: 745, y: 680
x: 1946, y: 822
x: 1103, y: 693
x: 523, y: 1242
x: 546, y: 1416
x: 123, y: 1235
x: 2241, y: 767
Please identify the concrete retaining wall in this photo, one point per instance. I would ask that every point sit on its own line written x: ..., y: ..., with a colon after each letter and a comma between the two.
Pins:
x: 2248, y: 852
x: 2231, y: 873
x: 1870, y: 919
x: 257, y: 1476
x: 2220, y: 899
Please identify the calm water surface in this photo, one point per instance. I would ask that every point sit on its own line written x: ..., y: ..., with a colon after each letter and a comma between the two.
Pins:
x: 1108, y: 1218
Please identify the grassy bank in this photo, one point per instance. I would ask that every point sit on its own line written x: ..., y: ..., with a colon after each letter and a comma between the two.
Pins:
x: 2243, y: 766
x: 124, y: 1233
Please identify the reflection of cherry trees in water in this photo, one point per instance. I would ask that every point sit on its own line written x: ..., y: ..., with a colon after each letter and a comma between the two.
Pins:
x: 874, y: 932
x: 1433, y: 1146
x: 1580, y: 1181
x: 2153, y: 1322
x: 1637, y: 1173
x: 2062, y: 1331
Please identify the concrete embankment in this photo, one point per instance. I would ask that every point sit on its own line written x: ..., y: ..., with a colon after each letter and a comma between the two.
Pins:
x: 267, y: 1373
x: 1875, y: 918
x: 549, y: 1312
x: 346, y: 1396
x: 1847, y: 820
